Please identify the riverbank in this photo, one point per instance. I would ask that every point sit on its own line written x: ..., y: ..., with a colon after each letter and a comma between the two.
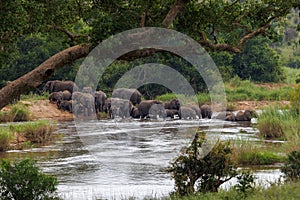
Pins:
x: 43, y: 109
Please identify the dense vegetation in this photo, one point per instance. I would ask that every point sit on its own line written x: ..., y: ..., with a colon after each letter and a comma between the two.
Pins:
x: 45, y: 29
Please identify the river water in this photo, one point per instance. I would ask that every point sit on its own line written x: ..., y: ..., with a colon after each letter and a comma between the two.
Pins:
x: 122, y: 159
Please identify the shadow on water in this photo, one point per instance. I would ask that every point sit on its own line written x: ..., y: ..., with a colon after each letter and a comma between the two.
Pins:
x: 105, y: 159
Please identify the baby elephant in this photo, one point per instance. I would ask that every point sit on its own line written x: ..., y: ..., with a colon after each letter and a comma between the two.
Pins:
x: 65, y: 105
x: 174, y: 104
x: 145, y: 106
x: 185, y: 112
x: 54, y: 97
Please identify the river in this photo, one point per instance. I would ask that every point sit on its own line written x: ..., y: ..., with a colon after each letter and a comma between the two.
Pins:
x: 110, y: 159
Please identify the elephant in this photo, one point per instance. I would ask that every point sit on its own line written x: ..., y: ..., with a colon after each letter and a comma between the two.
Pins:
x: 171, y: 112
x: 157, y: 111
x: 174, y: 104
x: 87, y: 90
x: 56, y: 86
x: 227, y: 116
x: 65, y: 105
x: 100, y: 98
x: 135, y: 113
x: 245, y: 115
x: 55, y: 97
x: 66, y: 95
x: 145, y: 106
x: 131, y: 94
x: 196, y: 109
x: 206, y: 111
x: 186, y: 112
x: 120, y: 108
x: 84, y: 103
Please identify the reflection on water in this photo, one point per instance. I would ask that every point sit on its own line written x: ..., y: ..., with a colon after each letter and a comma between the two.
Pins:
x: 110, y: 160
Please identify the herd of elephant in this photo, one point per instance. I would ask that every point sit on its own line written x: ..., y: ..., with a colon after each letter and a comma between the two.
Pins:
x: 125, y: 103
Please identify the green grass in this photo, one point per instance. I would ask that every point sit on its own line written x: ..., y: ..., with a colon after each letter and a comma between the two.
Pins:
x: 250, y: 153
x: 26, y: 134
x: 275, y: 192
x: 291, y: 74
x: 18, y: 112
x: 284, y: 124
x: 5, y: 138
x: 239, y: 90
x: 34, y: 97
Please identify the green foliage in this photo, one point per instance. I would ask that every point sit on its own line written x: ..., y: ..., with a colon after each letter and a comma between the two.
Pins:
x: 289, y: 190
x: 291, y: 168
x: 37, y: 132
x: 249, y: 153
x: 5, y: 138
x: 20, y: 112
x: 209, y: 171
x: 258, y: 62
x: 24, y: 180
x: 282, y: 124
x: 295, y: 98
x: 245, y: 184
x: 239, y: 90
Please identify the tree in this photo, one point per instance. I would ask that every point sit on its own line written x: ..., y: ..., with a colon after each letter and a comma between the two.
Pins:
x: 258, y: 62
x: 23, y: 180
x: 208, y: 171
x: 216, y: 24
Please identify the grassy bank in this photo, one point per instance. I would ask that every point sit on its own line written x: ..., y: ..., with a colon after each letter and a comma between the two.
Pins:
x: 17, y: 113
x: 250, y: 153
x: 238, y: 90
x: 285, y: 191
x: 26, y: 135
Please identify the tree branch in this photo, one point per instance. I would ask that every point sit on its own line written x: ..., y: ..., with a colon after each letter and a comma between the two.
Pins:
x: 36, y: 77
x: 70, y: 35
x: 173, y: 12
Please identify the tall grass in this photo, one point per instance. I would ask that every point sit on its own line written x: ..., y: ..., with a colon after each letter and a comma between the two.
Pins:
x: 5, y: 138
x: 19, y: 136
x: 275, y: 192
x: 37, y: 132
x: 242, y: 90
x: 275, y: 123
x: 17, y: 113
x: 33, y: 96
x: 250, y: 153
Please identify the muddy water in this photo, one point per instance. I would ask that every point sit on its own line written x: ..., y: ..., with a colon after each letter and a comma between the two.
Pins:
x: 123, y: 159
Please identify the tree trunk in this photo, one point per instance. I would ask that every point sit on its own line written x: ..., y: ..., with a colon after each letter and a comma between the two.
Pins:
x: 36, y: 77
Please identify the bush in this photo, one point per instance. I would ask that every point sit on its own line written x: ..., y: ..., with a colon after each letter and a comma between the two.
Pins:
x: 19, y: 112
x: 38, y: 132
x: 291, y: 168
x: 23, y: 180
x: 5, y: 138
x: 245, y: 183
x: 270, y: 123
x: 295, y: 98
x: 209, y: 171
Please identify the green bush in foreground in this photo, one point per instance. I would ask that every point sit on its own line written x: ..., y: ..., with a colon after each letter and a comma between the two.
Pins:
x: 208, y: 170
x: 291, y: 168
x: 23, y: 180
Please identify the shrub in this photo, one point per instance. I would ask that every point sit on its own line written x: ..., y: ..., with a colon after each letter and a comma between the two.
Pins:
x: 295, y: 98
x: 5, y: 138
x: 23, y: 180
x: 270, y: 123
x: 38, y: 132
x: 209, y: 171
x: 291, y: 168
x: 19, y: 112
x: 245, y: 183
